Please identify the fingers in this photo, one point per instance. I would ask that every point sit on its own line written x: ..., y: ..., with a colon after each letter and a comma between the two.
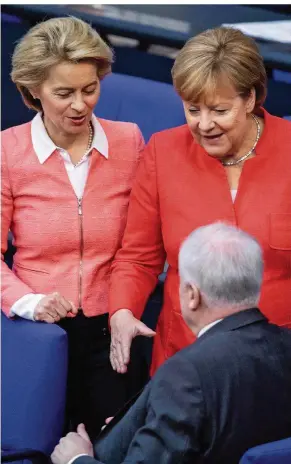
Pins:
x: 56, y: 455
x: 107, y: 421
x: 43, y: 317
x: 53, y: 307
x: 83, y: 433
x: 73, y: 309
x: 124, y: 348
x: 119, y: 350
x: 116, y: 356
x: 123, y: 330
x: 62, y: 306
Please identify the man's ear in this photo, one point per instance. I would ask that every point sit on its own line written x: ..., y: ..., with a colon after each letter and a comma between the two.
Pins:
x: 193, y: 296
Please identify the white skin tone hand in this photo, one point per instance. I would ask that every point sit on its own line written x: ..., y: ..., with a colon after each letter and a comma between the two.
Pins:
x: 53, y: 307
x: 71, y: 445
x: 124, y: 327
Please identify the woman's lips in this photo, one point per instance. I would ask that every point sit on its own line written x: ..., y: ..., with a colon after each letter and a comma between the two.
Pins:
x: 77, y: 120
x: 212, y: 138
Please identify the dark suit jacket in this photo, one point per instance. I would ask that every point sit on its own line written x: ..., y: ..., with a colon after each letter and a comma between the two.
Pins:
x: 209, y: 403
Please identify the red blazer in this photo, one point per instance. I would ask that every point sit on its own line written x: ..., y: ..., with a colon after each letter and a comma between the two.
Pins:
x: 41, y: 209
x: 179, y: 188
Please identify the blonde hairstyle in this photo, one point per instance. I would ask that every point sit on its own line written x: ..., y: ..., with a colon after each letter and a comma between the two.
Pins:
x: 50, y: 43
x: 216, y: 54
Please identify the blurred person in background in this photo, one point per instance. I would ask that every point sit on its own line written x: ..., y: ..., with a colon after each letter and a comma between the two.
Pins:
x: 231, y: 161
x: 66, y: 179
x: 210, y: 402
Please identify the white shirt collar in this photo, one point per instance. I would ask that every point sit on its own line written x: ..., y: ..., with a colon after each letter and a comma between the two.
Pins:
x: 207, y: 327
x: 44, y: 146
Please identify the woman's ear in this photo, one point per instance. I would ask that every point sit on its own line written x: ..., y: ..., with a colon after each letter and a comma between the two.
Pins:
x: 34, y: 93
x: 251, y: 101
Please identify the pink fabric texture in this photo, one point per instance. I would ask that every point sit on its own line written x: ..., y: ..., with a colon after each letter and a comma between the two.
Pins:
x: 40, y: 207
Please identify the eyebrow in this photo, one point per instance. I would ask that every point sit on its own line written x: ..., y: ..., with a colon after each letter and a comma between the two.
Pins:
x: 211, y: 106
x: 58, y: 89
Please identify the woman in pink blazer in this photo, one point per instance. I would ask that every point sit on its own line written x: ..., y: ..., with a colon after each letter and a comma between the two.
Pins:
x: 66, y: 179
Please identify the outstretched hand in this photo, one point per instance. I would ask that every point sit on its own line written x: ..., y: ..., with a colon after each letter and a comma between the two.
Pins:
x: 124, y: 327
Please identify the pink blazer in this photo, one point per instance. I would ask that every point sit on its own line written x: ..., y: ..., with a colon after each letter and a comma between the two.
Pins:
x: 39, y: 206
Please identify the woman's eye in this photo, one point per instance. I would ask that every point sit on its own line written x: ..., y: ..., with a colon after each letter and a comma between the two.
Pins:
x: 89, y: 92
x: 193, y: 110
x: 63, y: 95
x: 220, y: 111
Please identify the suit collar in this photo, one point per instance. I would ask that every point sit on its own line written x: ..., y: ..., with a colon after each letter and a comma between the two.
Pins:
x: 236, y: 321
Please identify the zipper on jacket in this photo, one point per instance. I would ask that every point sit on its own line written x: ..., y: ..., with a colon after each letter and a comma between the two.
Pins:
x: 80, y: 213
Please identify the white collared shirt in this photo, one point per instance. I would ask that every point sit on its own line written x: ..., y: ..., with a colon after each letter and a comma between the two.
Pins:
x: 44, y: 147
x: 207, y: 327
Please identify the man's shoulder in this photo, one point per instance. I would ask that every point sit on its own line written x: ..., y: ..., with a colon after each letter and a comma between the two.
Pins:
x: 218, y: 347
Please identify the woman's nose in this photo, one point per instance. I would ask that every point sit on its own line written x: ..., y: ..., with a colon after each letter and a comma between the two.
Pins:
x: 206, y: 123
x: 78, y: 104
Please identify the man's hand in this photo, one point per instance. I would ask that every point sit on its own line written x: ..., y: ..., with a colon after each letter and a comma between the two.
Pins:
x: 53, y: 307
x: 124, y: 327
x: 71, y: 445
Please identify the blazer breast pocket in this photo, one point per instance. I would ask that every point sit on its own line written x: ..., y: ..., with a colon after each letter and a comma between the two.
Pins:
x: 280, y: 231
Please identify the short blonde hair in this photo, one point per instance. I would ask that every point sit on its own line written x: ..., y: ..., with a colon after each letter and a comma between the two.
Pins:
x: 216, y: 54
x: 52, y: 42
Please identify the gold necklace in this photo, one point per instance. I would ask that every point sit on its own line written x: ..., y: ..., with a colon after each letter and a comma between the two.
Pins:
x: 235, y: 162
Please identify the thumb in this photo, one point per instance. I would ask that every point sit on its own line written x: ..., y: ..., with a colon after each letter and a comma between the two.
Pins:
x: 82, y: 432
x: 144, y: 330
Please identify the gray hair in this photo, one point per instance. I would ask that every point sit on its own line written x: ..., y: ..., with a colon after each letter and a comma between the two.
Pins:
x: 225, y: 263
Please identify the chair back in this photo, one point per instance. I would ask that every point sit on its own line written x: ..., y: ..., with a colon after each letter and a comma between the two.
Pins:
x: 154, y: 106
x: 276, y: 452
x: 34, y: 374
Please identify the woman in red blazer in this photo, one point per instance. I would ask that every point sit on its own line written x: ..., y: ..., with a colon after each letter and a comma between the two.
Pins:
x: 231, y: 162
x: 66, y: 179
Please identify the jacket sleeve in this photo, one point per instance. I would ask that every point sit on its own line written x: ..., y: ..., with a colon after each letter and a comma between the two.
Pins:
x: 140, y: 144
x: 172, y: 430
x: 141, y: 259
x: 12, y: 288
